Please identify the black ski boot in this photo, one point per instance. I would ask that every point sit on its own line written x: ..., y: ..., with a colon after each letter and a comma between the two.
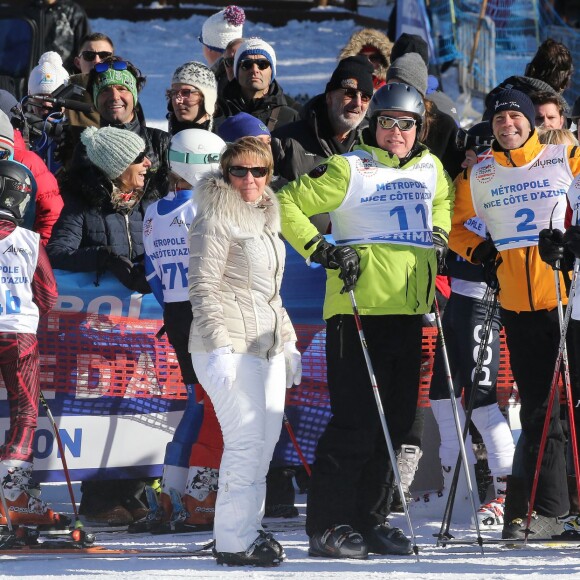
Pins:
x: 541, y: 528
x: 382, y: 539
x: 260, y: 553
x: 273, y: 543
x: 338, y: 542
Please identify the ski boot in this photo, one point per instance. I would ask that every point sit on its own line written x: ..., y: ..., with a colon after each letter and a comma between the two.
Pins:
x: 23, y: 508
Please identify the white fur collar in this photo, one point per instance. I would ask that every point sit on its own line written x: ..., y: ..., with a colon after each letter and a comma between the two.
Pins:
x: 220, y: 201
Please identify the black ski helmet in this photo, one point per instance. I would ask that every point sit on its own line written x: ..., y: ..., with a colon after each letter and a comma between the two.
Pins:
x: 398, y: 97
x: 478, y: 135
x: 17, y: 189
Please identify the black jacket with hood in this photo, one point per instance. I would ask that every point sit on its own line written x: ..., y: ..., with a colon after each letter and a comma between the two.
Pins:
x: 300, y: 146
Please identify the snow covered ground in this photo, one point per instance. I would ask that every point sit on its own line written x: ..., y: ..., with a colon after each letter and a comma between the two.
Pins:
x: 451, y: 563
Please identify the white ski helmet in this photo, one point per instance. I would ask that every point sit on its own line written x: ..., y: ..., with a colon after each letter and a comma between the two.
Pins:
x: 193, y: 153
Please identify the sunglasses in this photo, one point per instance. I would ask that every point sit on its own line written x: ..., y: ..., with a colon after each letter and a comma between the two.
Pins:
x: 261, y: 63
x: 4, y: 154
x: 229, y: 61
x: 463, y: 140
x: 102, y: 67
x: 238, y: 171
x: 184, y: 94
x: 90, y: 55
x: 352, y: 94
x: 140, y: 158
x: 390, y: 123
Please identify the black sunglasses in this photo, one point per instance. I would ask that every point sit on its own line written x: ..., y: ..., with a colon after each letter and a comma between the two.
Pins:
x: 140, y: 158
x: 102, y: 67
x: 90, y: 55
x: 229, y: 61
x: 352, y: 94
x: 4, y: 154
x: 238, y: 171
x: 261, y: 63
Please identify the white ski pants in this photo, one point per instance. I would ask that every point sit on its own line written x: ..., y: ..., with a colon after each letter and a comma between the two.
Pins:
x: 250, y: 416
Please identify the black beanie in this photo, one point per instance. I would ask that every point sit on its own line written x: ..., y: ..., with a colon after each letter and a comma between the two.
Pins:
x: 512, y: 100
x: 410, y: 43
x: 353, y: 72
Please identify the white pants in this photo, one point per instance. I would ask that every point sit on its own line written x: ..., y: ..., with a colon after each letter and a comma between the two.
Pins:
x: 250, y: 416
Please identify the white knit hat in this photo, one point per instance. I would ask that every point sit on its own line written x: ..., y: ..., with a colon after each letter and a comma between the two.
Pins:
x: 48, y: 75
x: 219, y: 29
x: 255, y: 46
x: 111, y: 149
x: 202, y: 78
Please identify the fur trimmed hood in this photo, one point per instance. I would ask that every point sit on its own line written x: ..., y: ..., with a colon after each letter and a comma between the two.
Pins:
x: 370, y: 37
x: 218, y: 200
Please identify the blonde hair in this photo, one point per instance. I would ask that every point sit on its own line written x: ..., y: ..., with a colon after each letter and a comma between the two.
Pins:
x: 247, y: 147
x: 557, y: 137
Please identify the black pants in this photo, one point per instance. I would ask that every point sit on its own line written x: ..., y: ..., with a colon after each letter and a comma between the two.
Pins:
x: 177, y: 317
x: 463, y: 331
x: 349, y: 481
x: 532, y: 340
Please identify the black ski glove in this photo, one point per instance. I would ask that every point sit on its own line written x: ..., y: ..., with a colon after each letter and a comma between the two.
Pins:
x: 486, y: 254
x: 440, y: 240
x: 551, y: 247
x: 132, y: 276
x: 572, y: 240
x: 343, y: 258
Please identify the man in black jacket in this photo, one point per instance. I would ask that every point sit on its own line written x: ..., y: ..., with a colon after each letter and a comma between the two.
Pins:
x: 254, y: 89
x: 61, y: 26
x: 331, y: 122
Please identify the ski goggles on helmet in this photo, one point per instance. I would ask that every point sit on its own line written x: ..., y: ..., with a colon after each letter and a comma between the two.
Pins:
x: 404, y: 123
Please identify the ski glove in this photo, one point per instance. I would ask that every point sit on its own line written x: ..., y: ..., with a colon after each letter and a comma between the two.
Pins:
x: 551, y: 247
x: 572, y: 240
x: 221, y: 368
x: 440, y: 239
x: 486, y: 254
x: 131, y: 275
x: 343, y: 258
x: 293, y: 364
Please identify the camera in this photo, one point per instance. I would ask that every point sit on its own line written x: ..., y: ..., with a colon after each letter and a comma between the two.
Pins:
x: 52, y: 124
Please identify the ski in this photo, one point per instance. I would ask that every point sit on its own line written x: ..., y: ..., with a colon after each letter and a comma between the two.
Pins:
x: 556, y: 542
x: 59, y: 549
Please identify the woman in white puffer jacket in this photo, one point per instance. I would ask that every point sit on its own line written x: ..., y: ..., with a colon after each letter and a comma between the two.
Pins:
x: 242, y: 342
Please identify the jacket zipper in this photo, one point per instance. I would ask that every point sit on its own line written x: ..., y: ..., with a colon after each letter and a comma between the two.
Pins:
x: 275, y: 290
x: 126, y: 218
x: 530, y: 298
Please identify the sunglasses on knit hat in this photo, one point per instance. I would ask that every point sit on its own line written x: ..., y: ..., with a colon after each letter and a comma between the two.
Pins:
x: 4, y: 154
x: 90, y: 55
x: 261, y: 63
x: 404, y: 124
x: 102, y: 67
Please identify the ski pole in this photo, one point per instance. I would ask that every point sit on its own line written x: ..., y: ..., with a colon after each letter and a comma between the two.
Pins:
x: 567, y: 381
x: 487, y: 326
x: 5, y: 508
x: 78, y: 523
x: 551, y: 397
x: 383, y: 419
x: 295, y: 443
x: 461, y: 436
